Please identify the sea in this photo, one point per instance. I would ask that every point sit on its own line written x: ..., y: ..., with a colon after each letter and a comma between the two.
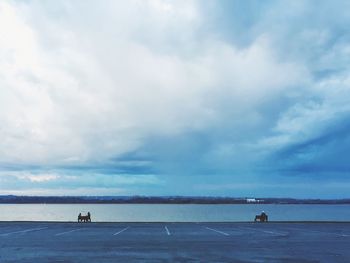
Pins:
x: 173, y: 212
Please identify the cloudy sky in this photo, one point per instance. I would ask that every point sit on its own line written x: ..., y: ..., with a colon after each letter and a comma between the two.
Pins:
x: 157, y: 97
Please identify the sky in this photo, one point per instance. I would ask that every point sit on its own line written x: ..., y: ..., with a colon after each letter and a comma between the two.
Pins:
x: 187, y: 97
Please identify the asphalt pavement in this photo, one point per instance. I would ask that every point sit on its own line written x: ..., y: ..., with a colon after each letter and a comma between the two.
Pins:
x: 174, y: 242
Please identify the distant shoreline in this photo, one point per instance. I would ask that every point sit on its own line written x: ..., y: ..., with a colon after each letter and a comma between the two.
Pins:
x: 13, y: 199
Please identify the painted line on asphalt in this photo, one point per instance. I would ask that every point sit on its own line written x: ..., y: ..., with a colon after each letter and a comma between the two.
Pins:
x: 121, y: 231
x: 319, y: 232
x: 167, y: 230
x: 265, y: 231
x: 24, y: 231
x: 218, y: 231
x: 67, y: 232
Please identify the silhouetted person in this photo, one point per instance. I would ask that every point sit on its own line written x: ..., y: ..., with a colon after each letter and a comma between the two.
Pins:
x: 262, y: 217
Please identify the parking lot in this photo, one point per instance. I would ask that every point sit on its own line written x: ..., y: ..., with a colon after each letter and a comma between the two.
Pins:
x: 174, y: 242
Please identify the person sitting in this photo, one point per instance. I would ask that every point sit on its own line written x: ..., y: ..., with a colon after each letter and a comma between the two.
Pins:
x: 263, y: 216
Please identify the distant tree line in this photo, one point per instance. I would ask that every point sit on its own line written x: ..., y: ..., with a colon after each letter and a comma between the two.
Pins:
x: 12, y: 199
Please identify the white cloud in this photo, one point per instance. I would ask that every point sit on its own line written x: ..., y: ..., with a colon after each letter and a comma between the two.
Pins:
x: 103, y: 90
x: 59, y: 191
x: 34, y: 178
x: 90, y: 179
x: 85, y: 82
x: 314, y: 115
x: 74, y: 183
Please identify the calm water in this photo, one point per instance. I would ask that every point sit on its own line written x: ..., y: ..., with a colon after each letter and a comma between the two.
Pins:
x: 180, y: 213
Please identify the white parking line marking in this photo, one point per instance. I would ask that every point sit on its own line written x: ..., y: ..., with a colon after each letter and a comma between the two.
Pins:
x: 67, y: 232
x: 320, y: 232
x: 265, y: 231
x: 121, y: 231
x: 218, y: 231
x: 167, y: 230
x: 24, y: 231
